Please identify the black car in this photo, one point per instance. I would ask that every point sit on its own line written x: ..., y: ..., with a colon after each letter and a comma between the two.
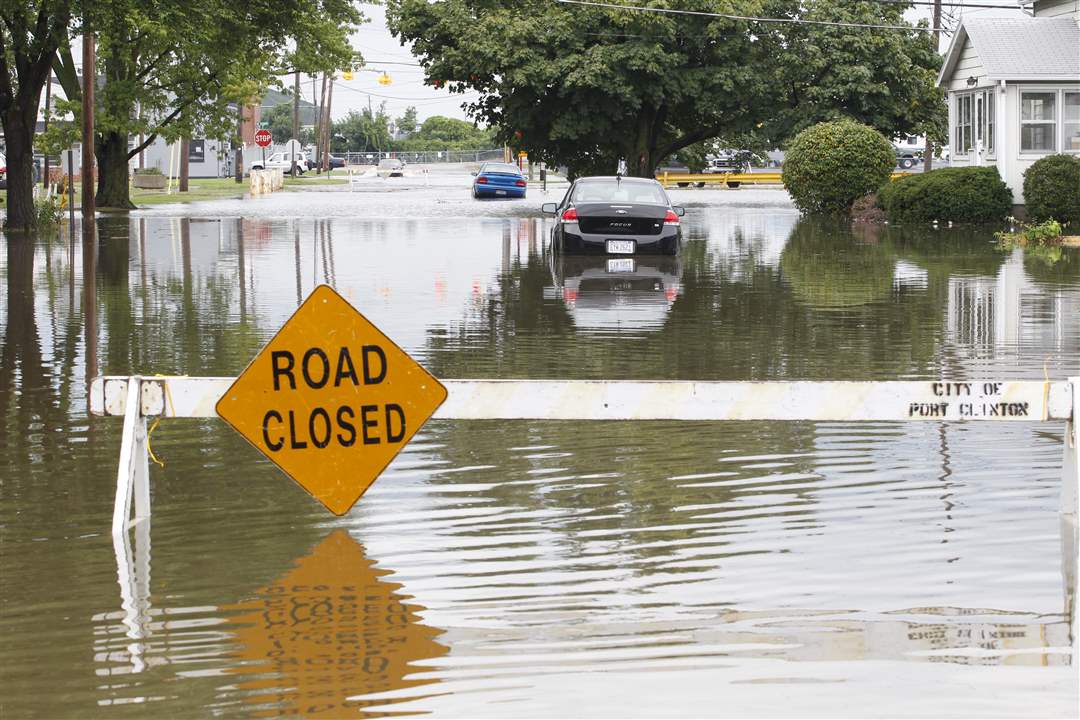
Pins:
x: 333, y: 161
x: 615, y: 216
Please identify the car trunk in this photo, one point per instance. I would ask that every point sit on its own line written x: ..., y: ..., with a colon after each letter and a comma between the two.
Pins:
x: 501, y: 180
x: 621, y: 218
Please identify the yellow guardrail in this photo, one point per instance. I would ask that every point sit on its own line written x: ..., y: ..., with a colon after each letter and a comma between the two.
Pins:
x: 731, y: 179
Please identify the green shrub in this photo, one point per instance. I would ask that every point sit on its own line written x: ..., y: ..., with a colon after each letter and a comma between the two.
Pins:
x: 830, y: 165
x: 1052, y: 189
x: 148, y: 171
x: 955, y: 194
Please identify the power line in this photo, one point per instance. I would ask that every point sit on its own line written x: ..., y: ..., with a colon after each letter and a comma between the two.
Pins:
x: 728, y: 16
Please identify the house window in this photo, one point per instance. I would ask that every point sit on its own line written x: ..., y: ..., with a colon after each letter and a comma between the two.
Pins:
x: 1038, y: 122
x: 988, y: 135
x: 962, y: 139
x: 1070, y: 120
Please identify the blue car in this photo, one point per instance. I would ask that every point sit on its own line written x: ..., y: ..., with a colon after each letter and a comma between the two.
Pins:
x: 499, y: 180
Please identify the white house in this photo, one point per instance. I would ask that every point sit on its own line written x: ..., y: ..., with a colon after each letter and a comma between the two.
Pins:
x: 1014, y: 89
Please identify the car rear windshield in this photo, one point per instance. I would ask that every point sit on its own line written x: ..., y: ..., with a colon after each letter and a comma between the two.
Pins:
x: 612, y: 191
x: 389, y: 163
x: 504, y: 168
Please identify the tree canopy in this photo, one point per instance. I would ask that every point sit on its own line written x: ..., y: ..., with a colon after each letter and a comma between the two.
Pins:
x: 586, y: 85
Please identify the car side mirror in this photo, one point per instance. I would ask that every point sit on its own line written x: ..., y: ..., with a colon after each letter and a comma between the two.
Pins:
x: 549, y: 208
x: 679, y: 210
x: 473, y: 174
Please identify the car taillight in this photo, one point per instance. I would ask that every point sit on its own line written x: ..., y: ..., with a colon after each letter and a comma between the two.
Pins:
x: 481, y: 181
x: 569, y: 295
x: 520, y: 183
x: 671, y: 218
x: 569, y: 215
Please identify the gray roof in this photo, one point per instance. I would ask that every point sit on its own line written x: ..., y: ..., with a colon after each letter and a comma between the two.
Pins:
x: 1020, y: 48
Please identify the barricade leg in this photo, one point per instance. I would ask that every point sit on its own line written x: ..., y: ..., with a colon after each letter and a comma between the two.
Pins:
x: 1070, y: 480
x: 133, y: 470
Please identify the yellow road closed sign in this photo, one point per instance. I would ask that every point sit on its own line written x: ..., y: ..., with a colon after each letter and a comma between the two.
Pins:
x: 331, y: 400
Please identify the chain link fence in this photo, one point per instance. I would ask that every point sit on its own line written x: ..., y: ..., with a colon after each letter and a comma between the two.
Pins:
x: 429, y: 156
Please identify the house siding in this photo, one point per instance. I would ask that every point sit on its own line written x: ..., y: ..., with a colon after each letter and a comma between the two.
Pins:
x: 1058, y: 8
x: 967, y: 66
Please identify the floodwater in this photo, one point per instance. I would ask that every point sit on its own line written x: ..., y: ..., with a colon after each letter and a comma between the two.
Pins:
x: 539, y: 569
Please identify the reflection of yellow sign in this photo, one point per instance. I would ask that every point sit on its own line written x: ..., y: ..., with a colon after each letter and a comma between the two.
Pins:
x: 331, y: 400
x: 330, y: 631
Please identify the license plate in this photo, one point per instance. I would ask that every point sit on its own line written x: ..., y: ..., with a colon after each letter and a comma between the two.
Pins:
x: 620, y: 247
x: 621, y: 265
x: 500, y: 192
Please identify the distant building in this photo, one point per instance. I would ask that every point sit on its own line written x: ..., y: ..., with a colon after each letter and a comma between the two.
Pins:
x: 1014, y: 89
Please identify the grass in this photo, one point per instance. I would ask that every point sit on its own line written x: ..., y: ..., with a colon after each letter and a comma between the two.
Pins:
x: 209, y: 189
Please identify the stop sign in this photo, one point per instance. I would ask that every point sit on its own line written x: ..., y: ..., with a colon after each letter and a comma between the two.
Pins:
x: 263, y: 138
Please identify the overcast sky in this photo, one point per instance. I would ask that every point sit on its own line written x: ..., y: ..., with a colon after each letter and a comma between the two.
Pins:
x: 382, y: 52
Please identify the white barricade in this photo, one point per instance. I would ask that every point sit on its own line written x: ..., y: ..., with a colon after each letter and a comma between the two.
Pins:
x: 942, y: 401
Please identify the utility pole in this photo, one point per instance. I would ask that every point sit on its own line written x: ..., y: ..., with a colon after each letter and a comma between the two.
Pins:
x: 48, y: 103
x: 295, y: 121
x: 89, y: 78
x: 320, y: 147
x: 326, y: 125
x: 239, y: 141
x: 928, y: 154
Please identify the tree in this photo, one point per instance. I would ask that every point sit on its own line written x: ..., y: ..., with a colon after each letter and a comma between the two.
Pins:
x: 364, y: 131
x: 173, y: 67
x: 585, y: 86
x: 406, y: 124
x: 30, y: 33
x: 443, y: 133
x: 278, y: 120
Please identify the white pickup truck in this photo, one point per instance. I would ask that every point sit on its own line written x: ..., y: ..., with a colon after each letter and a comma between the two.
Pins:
x: 282, y: 160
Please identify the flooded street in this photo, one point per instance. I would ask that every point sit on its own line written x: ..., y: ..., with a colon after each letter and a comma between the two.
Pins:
x: 540, y: 569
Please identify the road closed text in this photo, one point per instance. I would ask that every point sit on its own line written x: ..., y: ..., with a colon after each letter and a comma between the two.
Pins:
x: 323, y: 424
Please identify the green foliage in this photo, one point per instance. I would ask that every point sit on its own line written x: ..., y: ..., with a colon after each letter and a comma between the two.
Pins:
x: 1047, y: 232
x: 48, y: 212
x: 584, y: 86
x: 830, y: 165
x: 443, y: 133
x: 364, y: 131
x: 408, y: 121
x: 956, y: 194
x: 148, y: 171
x: 278, y: 120
x: 1052, y: 189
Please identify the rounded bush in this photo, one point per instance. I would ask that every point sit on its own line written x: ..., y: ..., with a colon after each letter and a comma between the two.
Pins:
x: 1052, y: 189
x: 830, y: 165
x: 956, y: 194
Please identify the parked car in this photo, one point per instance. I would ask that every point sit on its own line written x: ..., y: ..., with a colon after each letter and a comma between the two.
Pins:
x: 729, y: 161
x: 498, y: 179
x: 907, y: 157
x: 335, y: 162
x: 390, y: 167
x: 282, y: 160
x: 616, y: 216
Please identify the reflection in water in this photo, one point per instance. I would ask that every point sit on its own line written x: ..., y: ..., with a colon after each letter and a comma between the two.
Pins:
x: 333, y: 632
x: 572, y: 568
x: 828, y: 267
x: 617, y: 293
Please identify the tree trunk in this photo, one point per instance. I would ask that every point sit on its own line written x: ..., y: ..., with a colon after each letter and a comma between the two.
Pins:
x: 113, y: 173
x: 21, y: 214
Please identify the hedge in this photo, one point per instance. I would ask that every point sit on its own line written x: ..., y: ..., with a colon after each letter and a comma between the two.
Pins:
x: 830, y: 165
x: 954, y: 194
x: 1052, y: 189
